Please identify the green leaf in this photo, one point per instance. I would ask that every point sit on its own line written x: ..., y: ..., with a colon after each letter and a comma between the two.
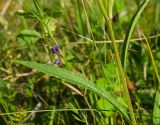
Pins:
x: 75, y: 79
x: 71, y: 106
x: 105, y: 105
x: 3, y: 22
x: 29, y: 36
x: 25, y: 14
x: 3, y: 89
x: 156, y: 111
x: 101, y: 83
x: 111, y: 71
x: 51, y: 22
x: 121, y: 101
x: 130, y: 31
x: 6, y: 91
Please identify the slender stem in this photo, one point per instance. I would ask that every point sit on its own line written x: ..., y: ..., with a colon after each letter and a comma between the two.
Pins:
x: 5, y: 120
x: 119, y: 65
x: 152, y: 60
x: 156, y: 106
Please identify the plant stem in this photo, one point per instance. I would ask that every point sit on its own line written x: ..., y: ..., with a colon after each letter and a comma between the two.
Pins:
x: 152, y: 59
x: 119, y: 65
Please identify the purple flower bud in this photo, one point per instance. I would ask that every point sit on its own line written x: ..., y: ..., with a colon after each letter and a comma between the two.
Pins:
x: 57, y: 61
x: 55, y: 48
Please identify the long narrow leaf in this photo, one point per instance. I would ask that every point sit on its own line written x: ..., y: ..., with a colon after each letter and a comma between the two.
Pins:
x: 110, y: 7
x: 156, y: 110
x: 130, y: 31
x: 75, y: 79
x: 52, y: 116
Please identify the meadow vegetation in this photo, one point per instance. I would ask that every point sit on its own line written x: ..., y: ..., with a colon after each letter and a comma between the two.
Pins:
x: 79, y: 62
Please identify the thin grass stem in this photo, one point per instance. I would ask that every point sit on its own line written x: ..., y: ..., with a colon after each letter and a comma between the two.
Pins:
x: 118, y: 61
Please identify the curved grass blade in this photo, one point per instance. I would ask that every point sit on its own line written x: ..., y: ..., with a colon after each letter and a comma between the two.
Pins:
x: 130, y: 31
x: 75, y: 79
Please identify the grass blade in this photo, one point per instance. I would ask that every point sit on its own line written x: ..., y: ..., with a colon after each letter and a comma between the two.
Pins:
x: 3, y: 89
x: 156, y: 110
x: 110, y: 7
x: 75, y: 79
x: 130, y: 31
x: 118, y: 62
x: 52, y: 116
